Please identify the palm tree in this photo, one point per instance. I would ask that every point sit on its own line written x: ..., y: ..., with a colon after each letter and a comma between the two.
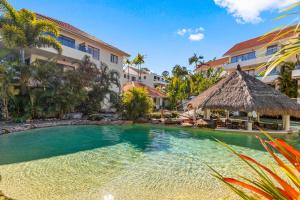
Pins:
x: 195, y: 59
x: 87, y: 69
x: 288, y: 85
x: 128, y: 64
x: 138, y: 61
x: 22, y: 30
x: 7, y: 87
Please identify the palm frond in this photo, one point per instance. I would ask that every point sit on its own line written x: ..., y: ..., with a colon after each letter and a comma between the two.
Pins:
x: 48, y: 41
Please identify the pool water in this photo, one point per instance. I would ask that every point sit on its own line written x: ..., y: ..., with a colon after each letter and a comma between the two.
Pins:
x: 134, y: 162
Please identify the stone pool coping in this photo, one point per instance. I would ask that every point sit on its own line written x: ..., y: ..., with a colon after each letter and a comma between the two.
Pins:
x: 18, y: 127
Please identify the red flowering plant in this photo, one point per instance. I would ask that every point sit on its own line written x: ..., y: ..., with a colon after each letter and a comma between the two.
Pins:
x: 268, y: 184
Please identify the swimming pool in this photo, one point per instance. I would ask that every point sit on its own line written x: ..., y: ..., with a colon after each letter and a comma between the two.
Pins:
x: 132, y: 162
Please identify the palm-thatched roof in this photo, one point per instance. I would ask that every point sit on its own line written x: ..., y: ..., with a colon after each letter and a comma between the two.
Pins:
x: 242, y: 92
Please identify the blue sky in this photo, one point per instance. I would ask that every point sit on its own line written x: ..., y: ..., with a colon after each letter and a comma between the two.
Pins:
x: 168, y: 32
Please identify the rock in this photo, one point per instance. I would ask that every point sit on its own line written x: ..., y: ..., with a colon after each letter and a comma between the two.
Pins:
x: 73, y: 116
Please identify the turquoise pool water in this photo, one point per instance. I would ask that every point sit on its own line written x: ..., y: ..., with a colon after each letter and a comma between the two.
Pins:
x: 136, y: 162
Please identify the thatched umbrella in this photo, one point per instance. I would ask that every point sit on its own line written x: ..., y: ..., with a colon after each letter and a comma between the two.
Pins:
x: 242, y: 92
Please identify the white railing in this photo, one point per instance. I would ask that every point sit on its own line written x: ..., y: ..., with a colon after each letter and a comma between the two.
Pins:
x: 250, y: 62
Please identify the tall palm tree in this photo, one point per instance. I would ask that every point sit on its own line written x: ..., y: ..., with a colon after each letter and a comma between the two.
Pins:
x: 22, y: 30
x: 138, y: 61
x: 195, y: 59
x: 128, y: 64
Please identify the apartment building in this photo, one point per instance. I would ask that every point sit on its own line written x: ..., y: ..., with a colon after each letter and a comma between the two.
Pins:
x: 77, y: 44
x: 252, y: 53
x: 131, y: 74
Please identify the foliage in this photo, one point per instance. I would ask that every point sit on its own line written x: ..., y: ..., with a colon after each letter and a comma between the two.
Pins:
x: 184, y: 84
x: 103, y: 85
x: 8, y: 89
x: 165, y: 75
x: 138, y: 61
x: 292, y: 47
x: 136, y: 103
x: 269, y: 184
x: 197, y: 60
x: 21, y: 29
x: 288, y: 85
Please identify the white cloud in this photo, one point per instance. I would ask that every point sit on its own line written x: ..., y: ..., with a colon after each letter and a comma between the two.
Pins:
x: 193, y: 34
x: 196, y: 37
x: 181, y: 32
x: 248, y: 11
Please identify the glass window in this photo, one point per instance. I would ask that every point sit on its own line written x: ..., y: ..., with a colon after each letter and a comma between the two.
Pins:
x: 145, y: 77
x: 272, y: 49
x: 82, y: 47
x: 133, y: 78
x: 66, y: 41
x: 124, y: 75
x: 94, y: 52
x: 114, y: 58
x: 243, y: 57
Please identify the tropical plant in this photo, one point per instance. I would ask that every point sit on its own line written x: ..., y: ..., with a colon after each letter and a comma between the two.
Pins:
x: 165, y: 75
x: 128, y: 64
x: 104, y: 88
x: 196, y: 60
x: 288, y: 85
x: 292, y: 47
x: 138, y: 61
x: 269, y: 184
x: 22, y: 30
x: 8, y: 89
x: 136, y: 103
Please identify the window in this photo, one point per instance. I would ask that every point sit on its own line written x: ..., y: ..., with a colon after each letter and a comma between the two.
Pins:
x: 133, y: 78
x: 154, y: 78
x: 66, y: 41
x: 243, y: 57
x: 114, y: 58
x: 271, y: 49
x: 82, y: 47
x: 94, y: 52
x: 124, y: 75
x: 145, y: 77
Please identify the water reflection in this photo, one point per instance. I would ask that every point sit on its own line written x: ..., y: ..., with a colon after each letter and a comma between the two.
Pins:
x: 45, y: 143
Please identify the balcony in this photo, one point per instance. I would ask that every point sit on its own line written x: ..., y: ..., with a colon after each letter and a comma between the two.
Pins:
x: 251, y: 62
x: 74, y: 53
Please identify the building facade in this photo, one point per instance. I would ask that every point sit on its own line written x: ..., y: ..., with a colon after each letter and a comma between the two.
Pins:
x: 131, y: 74
x: 76, y: 44
x: 255, y: 52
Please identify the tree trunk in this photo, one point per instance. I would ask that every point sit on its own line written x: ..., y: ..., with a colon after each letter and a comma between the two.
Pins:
x: 22, y: 55
x: 5, y: 108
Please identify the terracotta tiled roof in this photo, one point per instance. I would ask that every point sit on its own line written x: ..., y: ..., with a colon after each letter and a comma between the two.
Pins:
x: 259, y: 41
x: 152, y: 91
x: 213, y: 63
x: 74, y: 30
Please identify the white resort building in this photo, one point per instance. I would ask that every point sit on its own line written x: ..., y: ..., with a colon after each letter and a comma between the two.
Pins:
x: 151, y: 79
x: 251, y: 54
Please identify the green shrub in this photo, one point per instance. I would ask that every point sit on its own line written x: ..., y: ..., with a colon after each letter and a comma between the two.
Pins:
x: 136, y: 103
